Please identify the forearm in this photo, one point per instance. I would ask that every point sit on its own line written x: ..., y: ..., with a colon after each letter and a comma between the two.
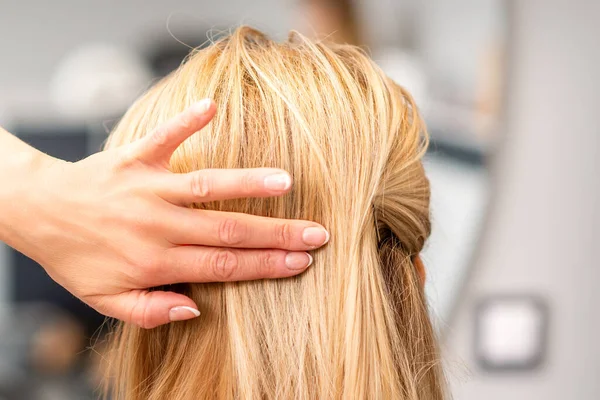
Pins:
x: 18, y: 164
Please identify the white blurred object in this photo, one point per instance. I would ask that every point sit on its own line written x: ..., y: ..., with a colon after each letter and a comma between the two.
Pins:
x: 97, y: 81
x: 511, y: 334
x: 406, y: 70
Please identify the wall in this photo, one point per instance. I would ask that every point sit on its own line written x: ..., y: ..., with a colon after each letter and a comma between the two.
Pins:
x: 543, y: 232
x: 35, y: 35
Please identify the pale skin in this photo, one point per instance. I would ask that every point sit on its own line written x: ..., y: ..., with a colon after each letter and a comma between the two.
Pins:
x: 111, y: 226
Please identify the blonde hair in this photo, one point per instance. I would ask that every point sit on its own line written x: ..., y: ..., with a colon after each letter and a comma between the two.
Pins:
x: 353, y: 326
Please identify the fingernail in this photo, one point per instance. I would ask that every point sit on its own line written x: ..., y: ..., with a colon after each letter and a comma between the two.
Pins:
x: 202, y: 106
x: 278, y: 182
x: 182, y: 313
x: 298, y: 261
x: 315, y: 236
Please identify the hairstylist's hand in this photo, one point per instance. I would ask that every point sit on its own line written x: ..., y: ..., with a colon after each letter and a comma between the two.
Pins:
x: 111, y: 226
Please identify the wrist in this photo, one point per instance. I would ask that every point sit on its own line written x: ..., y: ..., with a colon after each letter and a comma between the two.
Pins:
x: 18, y: 177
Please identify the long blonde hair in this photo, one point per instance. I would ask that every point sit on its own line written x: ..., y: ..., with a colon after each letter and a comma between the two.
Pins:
x: 353, y: 326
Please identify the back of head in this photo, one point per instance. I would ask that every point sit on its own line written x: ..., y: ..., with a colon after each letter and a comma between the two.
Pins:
x: 355, y: 324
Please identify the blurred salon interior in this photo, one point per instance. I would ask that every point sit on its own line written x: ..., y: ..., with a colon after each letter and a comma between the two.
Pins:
x: 510, y: 91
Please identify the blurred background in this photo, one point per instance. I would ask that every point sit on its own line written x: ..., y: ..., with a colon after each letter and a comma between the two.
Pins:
x: 510, y: 92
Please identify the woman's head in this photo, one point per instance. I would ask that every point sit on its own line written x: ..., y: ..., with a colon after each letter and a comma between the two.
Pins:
x: 355, y: 324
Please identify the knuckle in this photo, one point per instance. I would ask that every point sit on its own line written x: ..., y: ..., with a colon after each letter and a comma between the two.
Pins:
x: 201, y: 185
x: 284, y: 235
x: 143, y: 221
x: 160, y: 136
x: 232, y: 232
x: 145, y: 324
x: 124, y: 158
x: 224, y: 264
x: 147, y: 264
x: 145, y: 269
x: 267, y: 264
x: 186, y: 122
x: 248, y: 183
x: 140, y: 312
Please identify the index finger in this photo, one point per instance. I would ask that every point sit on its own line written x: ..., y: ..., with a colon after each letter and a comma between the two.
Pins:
x: 158, y: 146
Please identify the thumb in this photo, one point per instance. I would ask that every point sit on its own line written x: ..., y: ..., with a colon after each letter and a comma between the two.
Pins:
x: 149, y: 309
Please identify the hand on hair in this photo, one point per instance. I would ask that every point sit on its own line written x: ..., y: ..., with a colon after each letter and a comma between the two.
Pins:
x: 111, y: 226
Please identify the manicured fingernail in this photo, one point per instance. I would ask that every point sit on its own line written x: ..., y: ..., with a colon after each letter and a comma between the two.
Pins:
x: 278, y: 182
x: 315, y: 236
x: 298, y: 261
x: 202, y: 106
x: 182, y: 313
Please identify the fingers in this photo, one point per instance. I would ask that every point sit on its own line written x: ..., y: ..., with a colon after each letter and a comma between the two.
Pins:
x: 209, y: 264
x: 225, y: 229
x: 148, y: 309
x: 158, y: 146
x: 221, y: 184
